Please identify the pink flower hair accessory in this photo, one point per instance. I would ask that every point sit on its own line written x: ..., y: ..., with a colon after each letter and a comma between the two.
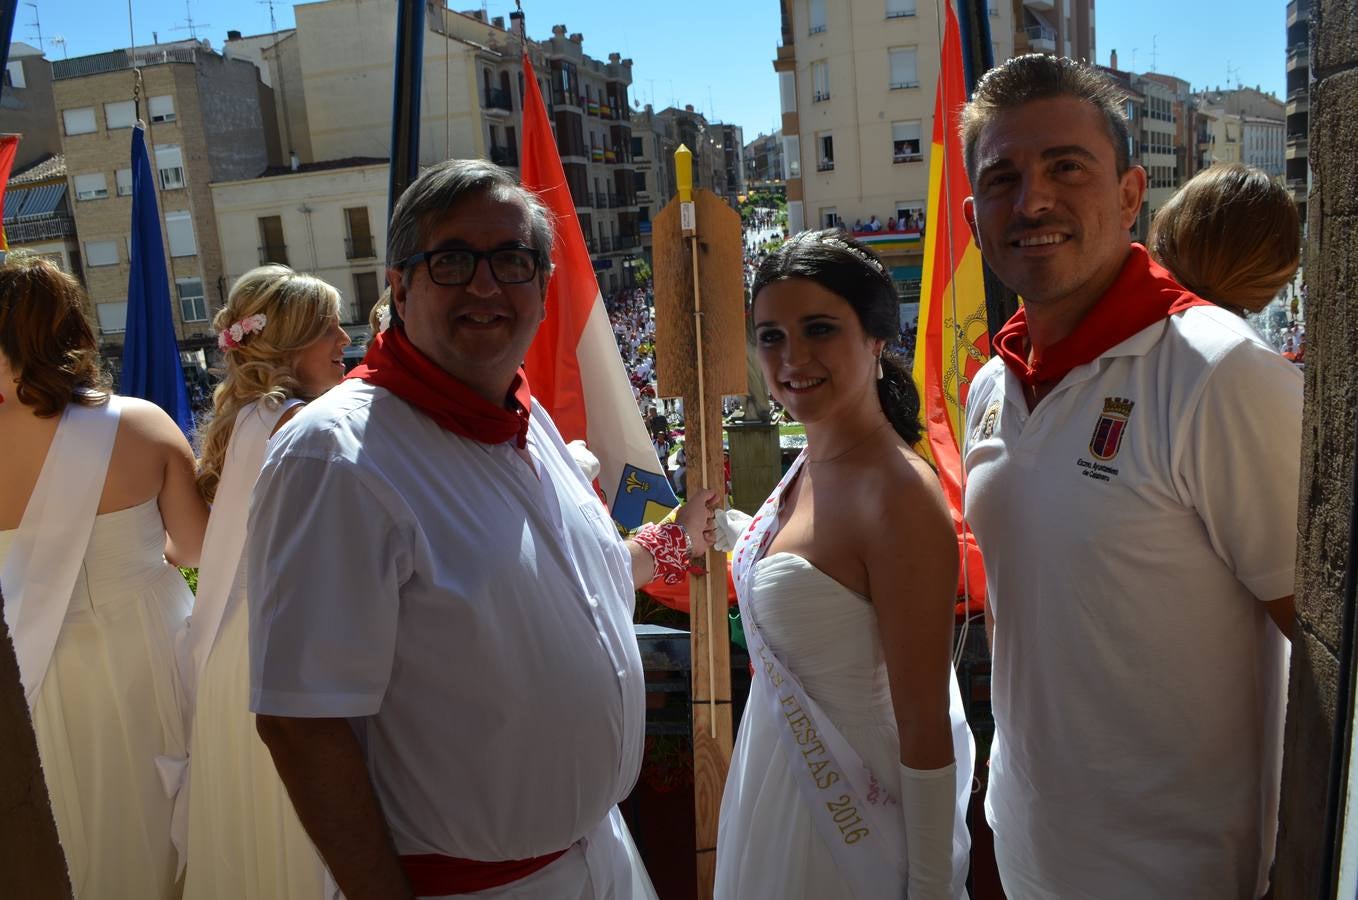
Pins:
x: 231, y: 336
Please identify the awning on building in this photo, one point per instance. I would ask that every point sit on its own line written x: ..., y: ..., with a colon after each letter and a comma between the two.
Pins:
x: 24, y: 204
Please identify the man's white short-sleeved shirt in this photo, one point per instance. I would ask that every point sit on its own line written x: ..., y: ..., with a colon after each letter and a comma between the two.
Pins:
x: 1131, y: 524
x: 472, y: 620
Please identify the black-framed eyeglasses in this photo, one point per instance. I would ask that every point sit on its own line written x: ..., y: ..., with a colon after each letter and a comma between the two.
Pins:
x: 454, y: 268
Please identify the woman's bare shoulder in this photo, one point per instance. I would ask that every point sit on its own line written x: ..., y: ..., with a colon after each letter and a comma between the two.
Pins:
x: 146, y: 424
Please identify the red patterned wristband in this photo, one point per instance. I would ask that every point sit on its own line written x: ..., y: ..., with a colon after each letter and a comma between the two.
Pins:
x: 669, y: 546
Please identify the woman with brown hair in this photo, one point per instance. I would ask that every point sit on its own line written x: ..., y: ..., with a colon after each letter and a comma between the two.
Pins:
x: 1230, y: 235
x: 97, y: 506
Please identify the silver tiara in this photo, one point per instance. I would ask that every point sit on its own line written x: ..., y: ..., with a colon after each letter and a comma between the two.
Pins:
x: 844, y: 245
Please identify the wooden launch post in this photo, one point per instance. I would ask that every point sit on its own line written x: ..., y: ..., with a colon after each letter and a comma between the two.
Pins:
x: 700, y: 356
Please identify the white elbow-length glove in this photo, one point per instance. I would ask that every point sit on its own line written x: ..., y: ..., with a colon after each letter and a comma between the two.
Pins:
x: 929, y: 803
x: 587, y: 461
x: 730, y: 524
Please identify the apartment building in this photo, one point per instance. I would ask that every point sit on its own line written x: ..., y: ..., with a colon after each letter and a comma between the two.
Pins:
x: 326, y: 219
x: 471, y: 103
x: 1261, y: 119
x: 1057, y: 27
x: 731, y: 140
x: 856, y: 86
x: 764, y: 162
x: 38, y: 214
x: 1296, y: 168
x: 26, y: 106
x: 205, y: 117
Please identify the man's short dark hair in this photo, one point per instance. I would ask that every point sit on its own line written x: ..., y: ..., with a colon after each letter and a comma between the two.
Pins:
x: 1036, y: 76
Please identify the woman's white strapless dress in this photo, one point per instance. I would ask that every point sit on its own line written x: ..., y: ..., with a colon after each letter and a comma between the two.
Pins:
x: 768, y: 848
x: 110, y: 704
x: 245, y: 840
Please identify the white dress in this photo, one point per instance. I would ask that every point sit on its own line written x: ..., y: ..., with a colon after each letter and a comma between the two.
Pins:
x: 768, y: 847
x: 109, y: 705
x: 245, y: 841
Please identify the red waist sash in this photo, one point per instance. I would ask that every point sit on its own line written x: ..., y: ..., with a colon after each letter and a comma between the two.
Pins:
x: 432, y: 875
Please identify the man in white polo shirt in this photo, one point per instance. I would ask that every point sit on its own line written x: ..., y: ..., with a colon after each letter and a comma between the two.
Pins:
x: 442, y: 654
x: 1132, y: 463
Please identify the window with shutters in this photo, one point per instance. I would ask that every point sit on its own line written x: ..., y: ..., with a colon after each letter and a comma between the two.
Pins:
x: 192, y: 303
x: 906, y: 140
x: 272, y: 248
x: 101, y: 253
x: 820, y: 81
x: 358, y: 243
x: 816, y: 14
x: 79, y: 121
x: 112, y: 316
x: 122, y: 114
x: 179, y: 228
x: 366, y: 294
x: 904, y: 67
x: 92, y: 186
x: 825, y: 147
x: 161, y: 109
x: 792, y: 156
x: 170, y: 164
x: 123, y: 180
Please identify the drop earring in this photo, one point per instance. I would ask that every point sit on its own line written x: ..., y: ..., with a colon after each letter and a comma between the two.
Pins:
x: 880, y: 373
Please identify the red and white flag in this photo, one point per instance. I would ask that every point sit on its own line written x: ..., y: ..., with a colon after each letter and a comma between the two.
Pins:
x: 573, y: 365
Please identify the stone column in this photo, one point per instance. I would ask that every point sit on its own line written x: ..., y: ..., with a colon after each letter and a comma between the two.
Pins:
x: 1328, y: 450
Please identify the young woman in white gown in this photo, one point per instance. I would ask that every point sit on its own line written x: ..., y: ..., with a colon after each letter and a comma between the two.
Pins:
x: 102, y: 685
x: 283, y: 345
x: 853, y: 763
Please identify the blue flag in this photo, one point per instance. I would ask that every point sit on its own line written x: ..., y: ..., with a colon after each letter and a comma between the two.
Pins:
x: 151, y: 368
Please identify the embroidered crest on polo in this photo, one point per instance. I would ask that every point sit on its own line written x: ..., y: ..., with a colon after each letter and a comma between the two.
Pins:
x: 1111, y: 427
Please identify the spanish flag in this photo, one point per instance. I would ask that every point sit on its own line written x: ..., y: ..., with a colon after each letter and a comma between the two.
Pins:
x: 9, y: 145
x: 952, y: 342
x: 574, y: 365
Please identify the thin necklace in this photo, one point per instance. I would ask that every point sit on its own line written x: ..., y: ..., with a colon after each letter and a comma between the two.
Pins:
x: 860, y: 442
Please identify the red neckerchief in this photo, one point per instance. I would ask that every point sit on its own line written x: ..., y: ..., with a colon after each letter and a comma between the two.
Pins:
x: 396, y: 364
x: 1143, y: 294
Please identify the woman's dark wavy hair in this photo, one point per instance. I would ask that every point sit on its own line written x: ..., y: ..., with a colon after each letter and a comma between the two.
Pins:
x: 850, y: 270
x: 46, y: 338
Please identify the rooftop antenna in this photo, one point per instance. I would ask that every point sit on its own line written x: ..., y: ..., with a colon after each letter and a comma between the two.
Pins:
x: 37, y: 22
x: 1133, y: 68
x: 1155, y: 52
x: 58, y: 41
x: 191, y: 26
x: 282, y: 91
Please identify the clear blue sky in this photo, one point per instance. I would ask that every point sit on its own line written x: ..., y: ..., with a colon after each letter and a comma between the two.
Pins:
x: 728, y: 73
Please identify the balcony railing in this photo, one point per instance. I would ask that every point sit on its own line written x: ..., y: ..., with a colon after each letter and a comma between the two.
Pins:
x: 627, y: 242
x: 359, y: 248
x: 49, y: 228
x: 605, y: 245
x: 825, y: 165
x: 499, y: 98
x: 905, y: 156
x: 273, y: 253
x: 504, y: 156
x: 1040, y: 33
x: 1296, y: 185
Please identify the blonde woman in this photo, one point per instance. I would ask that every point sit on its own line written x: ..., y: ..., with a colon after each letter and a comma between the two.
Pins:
x: 97, y: 494
x: 283, y: 345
